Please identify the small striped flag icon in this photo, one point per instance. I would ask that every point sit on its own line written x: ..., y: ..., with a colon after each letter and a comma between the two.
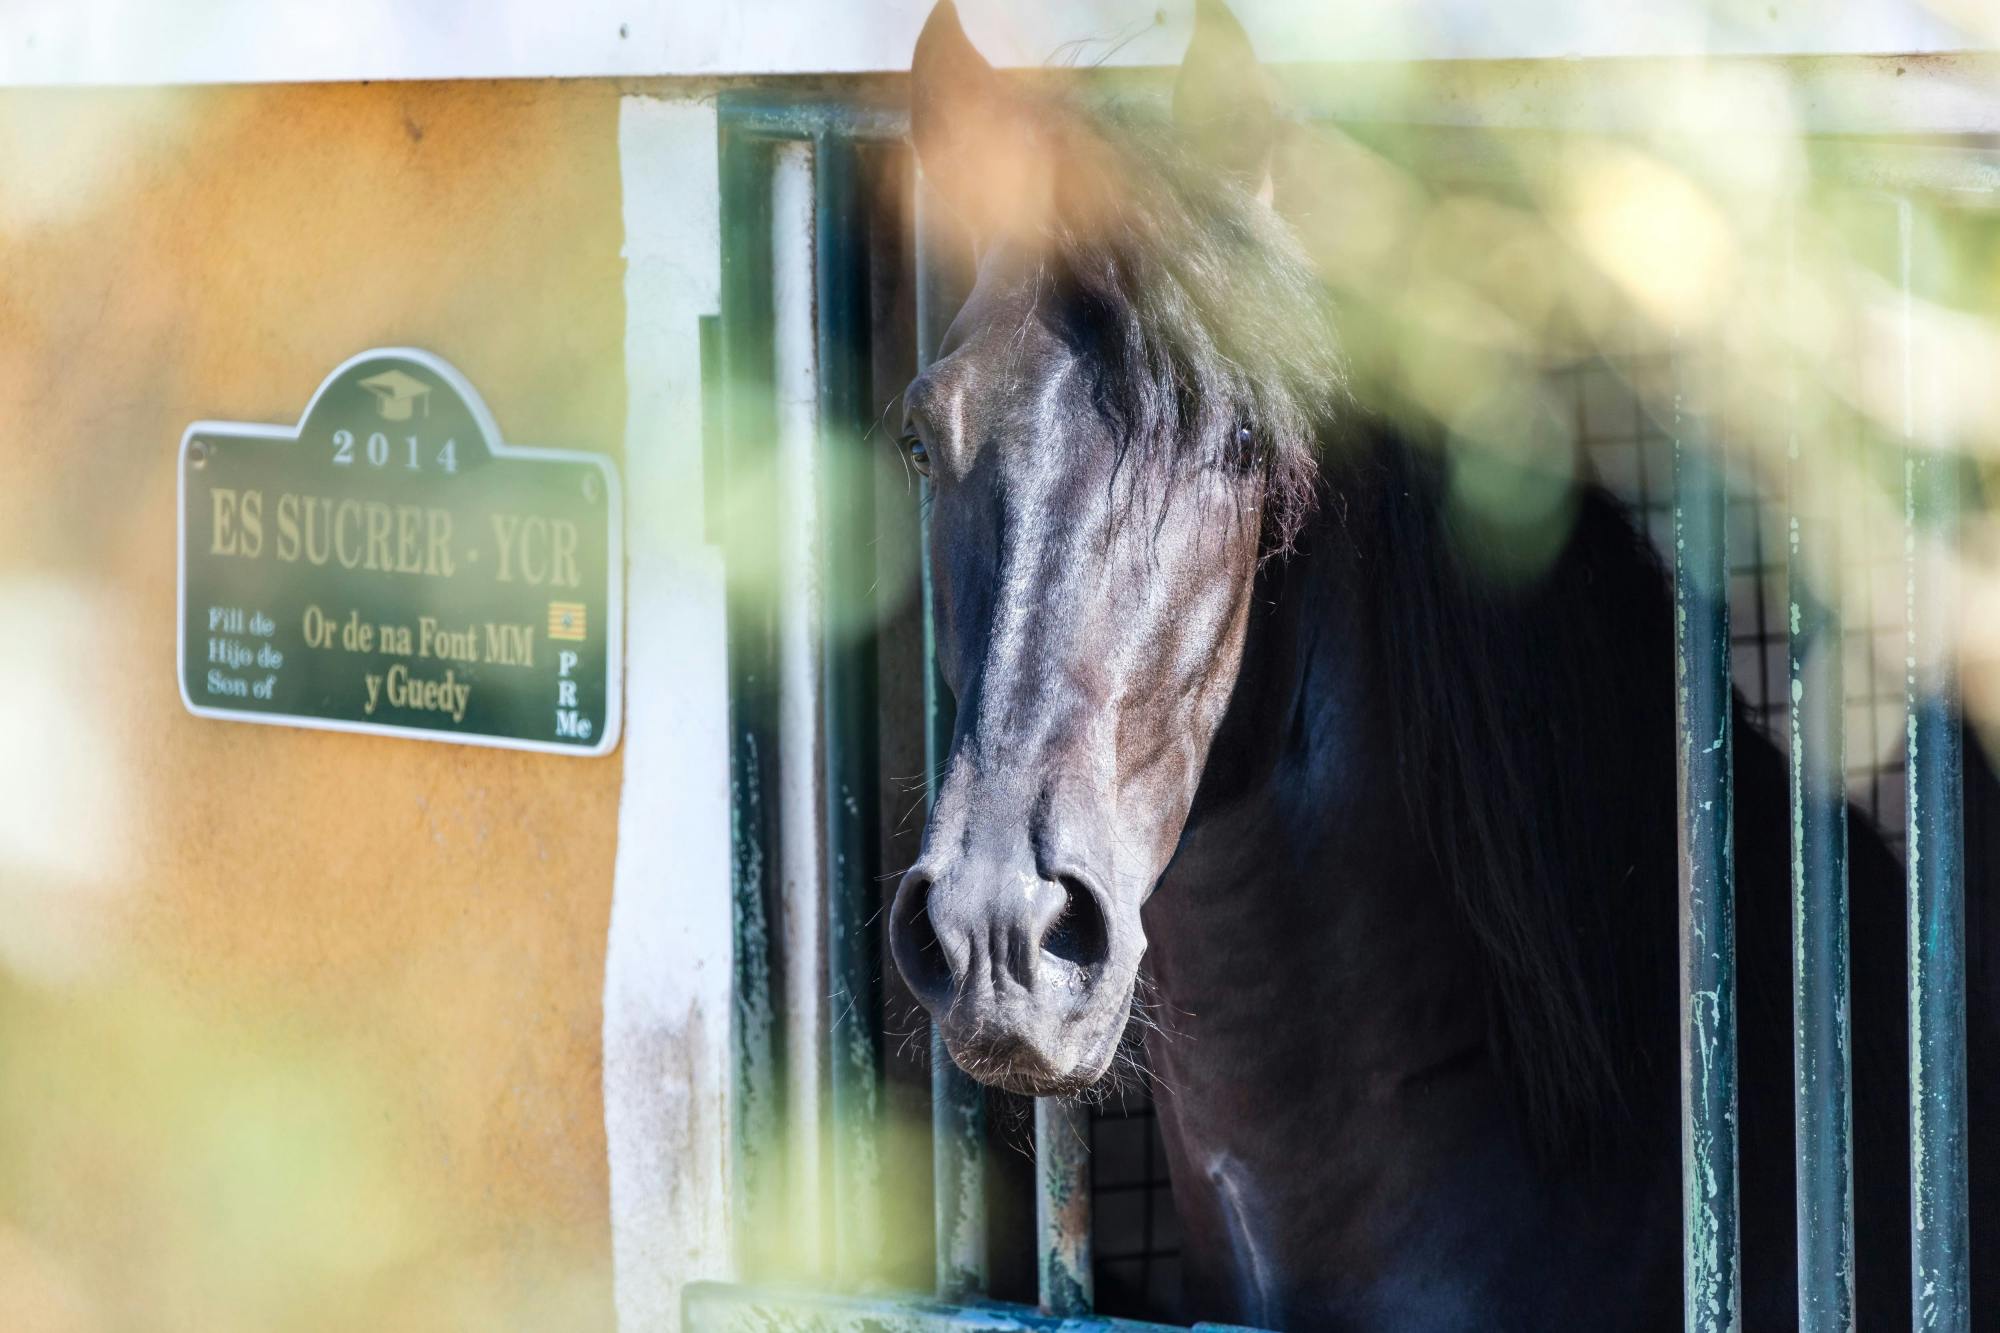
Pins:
x: 566, y: 620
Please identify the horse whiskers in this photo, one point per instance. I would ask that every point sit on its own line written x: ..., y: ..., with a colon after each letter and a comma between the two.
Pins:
x: 1151, y: 1014
x: 876, y: 425
x: 911, y: 1041
x: 921, y: 803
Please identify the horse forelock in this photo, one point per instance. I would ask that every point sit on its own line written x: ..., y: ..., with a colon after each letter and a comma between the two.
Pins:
x: 1204, y: 315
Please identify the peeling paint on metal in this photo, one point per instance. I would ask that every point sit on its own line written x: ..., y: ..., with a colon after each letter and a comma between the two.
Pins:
x: 1822, y: 1098
x: 1940, y: 1280
x: 1062, y: 1206
x: 1712, y: 1296
x: 719, y: 1308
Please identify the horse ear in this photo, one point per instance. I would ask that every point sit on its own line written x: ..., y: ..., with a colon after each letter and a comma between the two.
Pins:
x: 1224, y: 101
x: 975, y: 138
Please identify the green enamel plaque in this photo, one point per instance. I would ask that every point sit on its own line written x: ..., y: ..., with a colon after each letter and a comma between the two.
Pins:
x: 390, y: 565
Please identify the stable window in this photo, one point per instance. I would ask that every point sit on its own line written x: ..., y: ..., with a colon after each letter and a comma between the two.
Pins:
x: 850, y: 1129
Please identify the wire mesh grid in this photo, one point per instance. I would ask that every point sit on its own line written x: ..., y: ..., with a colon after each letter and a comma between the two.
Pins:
x: 1630, y: 452
x: 1134, y: 1230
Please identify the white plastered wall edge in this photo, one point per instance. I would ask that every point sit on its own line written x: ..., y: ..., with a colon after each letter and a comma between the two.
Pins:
x: 145, y: 42
x: 667, y: 1066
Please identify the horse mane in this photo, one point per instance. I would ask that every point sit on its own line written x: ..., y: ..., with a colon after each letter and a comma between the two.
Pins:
x: 1533, y: 717
x: 1204, y: 314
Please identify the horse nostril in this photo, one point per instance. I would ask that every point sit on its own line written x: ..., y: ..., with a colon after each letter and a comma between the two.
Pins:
x: 1079, y: 934
x: 920, y: 955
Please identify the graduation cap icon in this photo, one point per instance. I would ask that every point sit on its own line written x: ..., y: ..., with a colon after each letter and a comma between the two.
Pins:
x: 398, y: 394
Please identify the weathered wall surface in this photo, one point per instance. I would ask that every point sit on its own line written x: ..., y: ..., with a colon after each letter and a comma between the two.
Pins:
x: 667, y: 968
x: 297, y: 1029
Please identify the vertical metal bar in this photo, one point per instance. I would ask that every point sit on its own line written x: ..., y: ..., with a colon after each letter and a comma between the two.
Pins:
x: 1940, y: 1280
x: 958, y: 1105
x: 1062, y: 1207
x: 847, y: 515
x: 1822, y: 1100
x: 1711, y: 1260
x: 788, y: 521
x: 758, y: 1103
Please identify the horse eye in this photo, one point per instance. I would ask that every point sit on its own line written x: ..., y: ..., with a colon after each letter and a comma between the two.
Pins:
x: 920, y: 454
x: 1244, y: 437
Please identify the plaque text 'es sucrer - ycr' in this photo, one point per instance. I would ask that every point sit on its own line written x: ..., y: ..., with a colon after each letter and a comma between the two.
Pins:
x: 390, y: 565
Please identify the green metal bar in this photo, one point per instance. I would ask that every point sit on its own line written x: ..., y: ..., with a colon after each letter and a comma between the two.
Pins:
x: 768, y: 114
x: 1062, y: 1207
x: 745, y: 347
x: 714, y: 1307
x: 1821, y: 1062
x: 1712, y: 1294
x: 1940, y: 1279
x: 1969, y: 172
x: 853, y: 828
x: 958, y: 1105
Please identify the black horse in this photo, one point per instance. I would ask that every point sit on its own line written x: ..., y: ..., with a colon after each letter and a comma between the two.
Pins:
x: 1397, y: 842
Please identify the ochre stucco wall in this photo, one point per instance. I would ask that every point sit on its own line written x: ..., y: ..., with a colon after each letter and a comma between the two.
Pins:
x: 297, y: 1029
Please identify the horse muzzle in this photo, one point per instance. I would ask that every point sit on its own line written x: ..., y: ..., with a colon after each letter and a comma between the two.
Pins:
x: 1028, y: 977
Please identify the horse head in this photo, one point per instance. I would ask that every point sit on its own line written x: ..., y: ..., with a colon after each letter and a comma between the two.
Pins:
x: 1119, y: 427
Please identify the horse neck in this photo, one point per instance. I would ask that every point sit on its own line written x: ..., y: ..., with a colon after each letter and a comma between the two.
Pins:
x: 1437, y: 803
x: 1303, y: 900
x: 1319, y: 1042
